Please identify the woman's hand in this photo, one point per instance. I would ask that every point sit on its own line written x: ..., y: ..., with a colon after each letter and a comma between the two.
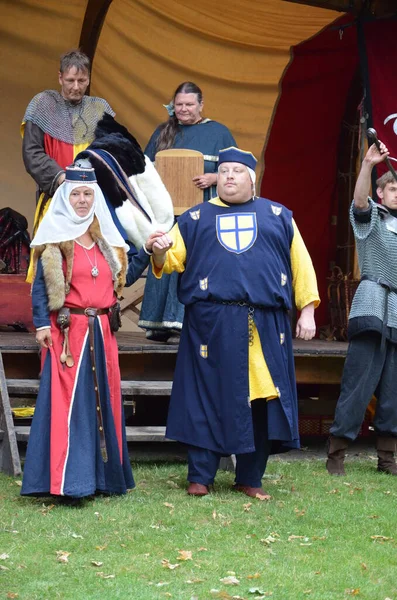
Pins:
x: 205, y: 181
x: 152, y: 238
x: 160, y: 247
x: 43, y: 337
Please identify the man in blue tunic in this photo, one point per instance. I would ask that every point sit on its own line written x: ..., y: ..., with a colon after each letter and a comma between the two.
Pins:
x: 240, y: 258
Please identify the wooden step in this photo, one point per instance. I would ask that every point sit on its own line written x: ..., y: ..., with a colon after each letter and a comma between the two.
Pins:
x: 134, y: 434
x: 128, y: 388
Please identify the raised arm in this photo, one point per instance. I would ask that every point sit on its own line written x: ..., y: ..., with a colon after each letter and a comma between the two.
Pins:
x: 363, y: 183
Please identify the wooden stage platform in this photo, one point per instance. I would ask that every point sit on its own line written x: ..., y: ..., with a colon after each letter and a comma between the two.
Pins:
x: 317, y: 362
x: 147, y: 370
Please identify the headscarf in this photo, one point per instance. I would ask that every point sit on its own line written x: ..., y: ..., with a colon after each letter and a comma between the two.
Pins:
x: 61, y: 223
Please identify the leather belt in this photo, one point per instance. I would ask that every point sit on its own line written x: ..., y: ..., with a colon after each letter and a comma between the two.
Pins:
x: 92, y: 313
x: 389, y: 288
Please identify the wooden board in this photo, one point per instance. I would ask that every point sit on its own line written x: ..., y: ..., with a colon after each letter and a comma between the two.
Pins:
x: 177, y: 169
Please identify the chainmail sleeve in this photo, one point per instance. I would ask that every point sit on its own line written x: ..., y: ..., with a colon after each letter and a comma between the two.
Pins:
x: 44, y: 170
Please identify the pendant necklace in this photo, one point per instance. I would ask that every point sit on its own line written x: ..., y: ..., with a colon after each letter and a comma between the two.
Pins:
x: 94, y: 270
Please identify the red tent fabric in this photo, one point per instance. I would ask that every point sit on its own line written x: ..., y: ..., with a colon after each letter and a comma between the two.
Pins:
x: 301, y: 153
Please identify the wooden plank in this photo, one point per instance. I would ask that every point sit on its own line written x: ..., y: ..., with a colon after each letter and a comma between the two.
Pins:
x: 177, y: 167
x: 128, y: 388
x: 134, y: 434
x: 9, y: 455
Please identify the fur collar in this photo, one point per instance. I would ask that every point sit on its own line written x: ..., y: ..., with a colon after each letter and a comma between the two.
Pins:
x: 58, y: 283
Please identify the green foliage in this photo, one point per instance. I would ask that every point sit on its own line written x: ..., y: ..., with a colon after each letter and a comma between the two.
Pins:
x: 319, y: 538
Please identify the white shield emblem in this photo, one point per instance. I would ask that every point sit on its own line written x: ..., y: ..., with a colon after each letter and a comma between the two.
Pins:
x: 203, y: 351
x: 283, y: 279
x: 237, y: 232
x: 276, y: 210
x: 204, y: 284
x: 195, y: 214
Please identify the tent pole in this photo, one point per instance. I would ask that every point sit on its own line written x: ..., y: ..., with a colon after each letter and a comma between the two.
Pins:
x: 94, y: 19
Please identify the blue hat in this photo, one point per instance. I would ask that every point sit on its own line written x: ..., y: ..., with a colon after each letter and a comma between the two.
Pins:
x: 79, y: 175
x: 233, y: 154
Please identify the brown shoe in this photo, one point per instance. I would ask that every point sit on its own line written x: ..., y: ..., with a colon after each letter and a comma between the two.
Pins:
x: 385, y: 447
x: 336, y: 455
x: 252, y: 492
x: 197, y: 489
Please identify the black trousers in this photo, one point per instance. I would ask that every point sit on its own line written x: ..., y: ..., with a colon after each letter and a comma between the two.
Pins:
x: 250, y: 467
x: 368, y: 370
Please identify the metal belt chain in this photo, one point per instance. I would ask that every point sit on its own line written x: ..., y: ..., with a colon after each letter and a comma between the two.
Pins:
x: 251, y: 311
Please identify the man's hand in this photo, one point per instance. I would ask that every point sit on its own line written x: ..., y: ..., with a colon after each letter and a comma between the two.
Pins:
x: 374, y: 157
x: 152, y: 238
x: 159, y: 248
x: 306, y: 326
x: 43, y: 337
x: 61, y: 179
x: 205, y: 181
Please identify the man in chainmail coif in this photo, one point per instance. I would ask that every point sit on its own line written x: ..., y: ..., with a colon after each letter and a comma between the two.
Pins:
x: 57, y: 125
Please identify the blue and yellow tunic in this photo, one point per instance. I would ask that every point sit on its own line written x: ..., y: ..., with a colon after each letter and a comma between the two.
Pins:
x: 236, y: 261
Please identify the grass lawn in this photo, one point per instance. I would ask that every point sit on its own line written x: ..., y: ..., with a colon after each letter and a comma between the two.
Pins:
x: 319, y: 538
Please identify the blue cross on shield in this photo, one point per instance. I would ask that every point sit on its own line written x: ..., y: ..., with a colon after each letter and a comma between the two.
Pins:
x: 237, y: 232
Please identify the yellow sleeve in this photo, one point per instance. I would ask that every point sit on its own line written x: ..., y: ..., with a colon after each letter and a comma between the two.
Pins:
x: 175, y: 257
x: 304, y: 281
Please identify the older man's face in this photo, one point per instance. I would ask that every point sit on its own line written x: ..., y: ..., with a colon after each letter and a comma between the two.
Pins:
x: 73, y: 84
x: 234, y: 183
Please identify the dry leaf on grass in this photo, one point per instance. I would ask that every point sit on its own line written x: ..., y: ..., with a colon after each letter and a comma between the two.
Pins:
x: 12, y: 595
x: 184, y: 555
x: 4, y: 556
x: 77, y: 537
x: 167, y: 565
x: 254, y: 576
x: 96, y: 563
x: 230, y: 580
x: 247, y: 507
x: 18, y: 482
x: 381, y: 538
x: 195, y: 580
x: 100, y: 548
x: 62, y: 556
x: 103, y: 576
x: 353, y: 592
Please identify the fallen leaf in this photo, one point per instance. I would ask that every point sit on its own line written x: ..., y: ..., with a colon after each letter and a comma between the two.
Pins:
x: 214, y: 514
x: 3, y: 568
x: 299, y: 513
x: 18, y: 482
x: 270, y: 539
x: 247, y: 507
x: 98, y: 515
x: 167, y: 565
x: 307, y: 591
x: 184, y: 555
x: 168, y: 505
x: 202, y: 550
x: 4, y: 556
x: 373, y: 517
x: 230, y: 580
x: 103, y: 576
x: 335, y: 491
x: 296, y: 537
x: 172, y: 484
x: 62, y: 556
x: 364, y: 566
x: 255, y: 576
x: 353, y: 592
x: 161, y: 583
x: 100, y: 548
x: 96, y: 563
x: 12, y: 595
x: 381, y: 538
x: 76, y: 536
x: 195, y: 580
